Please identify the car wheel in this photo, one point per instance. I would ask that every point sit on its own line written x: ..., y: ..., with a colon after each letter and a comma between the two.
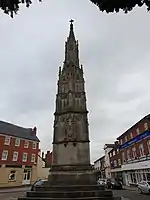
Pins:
x: 139, y: 191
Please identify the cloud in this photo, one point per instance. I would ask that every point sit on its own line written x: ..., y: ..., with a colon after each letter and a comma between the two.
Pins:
x: 114, y: 51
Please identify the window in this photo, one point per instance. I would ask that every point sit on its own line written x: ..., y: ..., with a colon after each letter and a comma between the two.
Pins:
x: 141, y: 148
x: 123, y: 157
x: 131, y: 135
x: 12, y: 176
x: 119, y: 162
x: 117, y: 150
x: 115, y: 163
x: 4, y: 155
x: 148, y: 145
x: 134, y: 153
x: 17, y: 142
x: 113, y: 153
x: 7, y: 140
x: 110, y: 155
x: 34, y: 145
x: 33, y: 158
x: 126, y: 139
x: 146, y: 126
x: 121, y: 142
x: 26, y: 144
x: 128, y: 154
x: 24, y: 158
x: 138, y: 131
x: 15, y: 156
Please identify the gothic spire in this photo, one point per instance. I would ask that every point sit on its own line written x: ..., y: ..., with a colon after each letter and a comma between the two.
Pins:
x: 71, y: 48
x: 71, y: 33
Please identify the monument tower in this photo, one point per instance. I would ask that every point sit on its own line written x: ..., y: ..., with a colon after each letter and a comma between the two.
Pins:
x: 71, y: 175
x: 71, y: 151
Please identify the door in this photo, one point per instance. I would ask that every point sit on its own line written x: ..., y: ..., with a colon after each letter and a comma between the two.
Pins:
x: 26, y: 177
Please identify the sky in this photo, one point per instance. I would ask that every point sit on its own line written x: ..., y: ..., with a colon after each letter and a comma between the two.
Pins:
x: 114, y: 51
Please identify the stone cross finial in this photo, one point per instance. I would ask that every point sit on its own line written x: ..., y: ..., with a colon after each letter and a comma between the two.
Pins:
x: 71, y: 21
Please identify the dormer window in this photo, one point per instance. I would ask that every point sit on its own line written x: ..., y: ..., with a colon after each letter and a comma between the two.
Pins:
x: 146, y: 126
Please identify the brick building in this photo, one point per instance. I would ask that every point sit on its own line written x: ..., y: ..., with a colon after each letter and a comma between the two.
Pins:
x: 115, y: 161
x: 134, y: 146
x: 19, y: 149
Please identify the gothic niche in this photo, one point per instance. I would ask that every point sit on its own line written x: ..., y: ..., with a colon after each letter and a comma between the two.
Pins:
x: 71, y: 129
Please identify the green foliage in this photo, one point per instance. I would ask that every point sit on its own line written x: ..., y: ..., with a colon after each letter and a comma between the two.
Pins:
x: 12, y: 6
x: 117, y: 5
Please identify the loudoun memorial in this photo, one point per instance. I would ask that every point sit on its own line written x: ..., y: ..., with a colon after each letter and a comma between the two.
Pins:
x: 71, y: 175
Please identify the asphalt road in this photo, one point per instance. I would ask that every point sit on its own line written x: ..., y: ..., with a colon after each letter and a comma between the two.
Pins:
x: 125, y: 194
x: 130, y: 195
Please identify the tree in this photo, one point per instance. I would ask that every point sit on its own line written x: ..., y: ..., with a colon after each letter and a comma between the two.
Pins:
x: 117, y: 5
x: 12, y: 6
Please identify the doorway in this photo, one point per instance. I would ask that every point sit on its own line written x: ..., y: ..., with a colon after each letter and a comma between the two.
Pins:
x: 26, y: 177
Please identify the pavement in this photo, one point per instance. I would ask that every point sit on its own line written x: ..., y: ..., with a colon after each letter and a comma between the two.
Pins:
x: 16, y: 189
x: 125, y: 194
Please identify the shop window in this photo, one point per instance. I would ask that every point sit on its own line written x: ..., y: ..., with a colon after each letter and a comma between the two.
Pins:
x: 133, y: 178
x: 141, y: 148
x: 7, y: 140
x: 26, y: 144
x: 12, y: 176
x: 4, y: 155
x: 17, y: 142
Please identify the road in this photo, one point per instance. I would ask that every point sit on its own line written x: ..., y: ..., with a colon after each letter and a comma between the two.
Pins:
x: 126, y: 194
x: 130, y: 195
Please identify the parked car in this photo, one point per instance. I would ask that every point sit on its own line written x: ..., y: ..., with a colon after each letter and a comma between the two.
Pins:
x: 38, y: 182
x: 117, y: 184
x: 101, y: 182
x: 144, y: 187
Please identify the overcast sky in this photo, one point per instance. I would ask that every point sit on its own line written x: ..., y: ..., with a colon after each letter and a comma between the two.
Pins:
x: 115, y: 53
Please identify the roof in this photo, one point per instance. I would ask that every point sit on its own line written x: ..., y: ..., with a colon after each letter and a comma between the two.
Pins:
x: 146, y: 117
x: 17, y: 131
x: 109, y: 146
x: 101, y: 158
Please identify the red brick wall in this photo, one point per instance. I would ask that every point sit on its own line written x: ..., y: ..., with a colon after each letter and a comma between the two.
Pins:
x: 20, y: 149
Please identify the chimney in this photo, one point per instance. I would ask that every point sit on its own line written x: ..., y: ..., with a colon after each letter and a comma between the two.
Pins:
x: 34, y: 130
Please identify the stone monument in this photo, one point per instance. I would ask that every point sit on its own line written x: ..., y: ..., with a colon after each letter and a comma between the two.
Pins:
x: 71, y: 174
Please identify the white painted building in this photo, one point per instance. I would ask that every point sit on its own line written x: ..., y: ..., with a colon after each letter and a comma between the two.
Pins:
x: 107, y: 149
x: 135, y: 172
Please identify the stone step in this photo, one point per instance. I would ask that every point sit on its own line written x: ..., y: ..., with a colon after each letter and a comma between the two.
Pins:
x: 69, y: 194
x: 81, y: 198
x: 69, y: 187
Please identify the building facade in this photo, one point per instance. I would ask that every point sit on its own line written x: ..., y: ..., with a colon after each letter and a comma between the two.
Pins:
x: 107, y: 149
x: 99, y: 166
x: 134, y: 146
x: 115, y: 161
x: 19, y: 149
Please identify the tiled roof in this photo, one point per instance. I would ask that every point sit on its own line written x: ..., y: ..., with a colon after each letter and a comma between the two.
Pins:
x: 17, y: 131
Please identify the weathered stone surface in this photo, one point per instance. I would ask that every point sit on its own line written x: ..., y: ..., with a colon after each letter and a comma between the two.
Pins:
x: 71, y: 175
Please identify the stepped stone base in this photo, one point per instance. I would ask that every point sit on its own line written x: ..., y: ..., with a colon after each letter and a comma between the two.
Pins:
x: 70, y: 184
x: 76, y: 192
